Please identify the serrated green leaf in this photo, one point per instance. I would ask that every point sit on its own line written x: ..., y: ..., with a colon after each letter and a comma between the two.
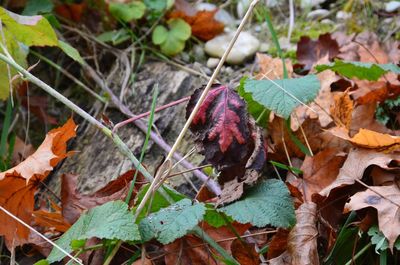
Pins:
x: 111, y: 220
x: 158, y: 202
x: 30, y: 30
x: 127, y: 12
x: 71, y: 52
x: 284, y: 95
x: 267, y: 203
x: 180, y: 29
x: 34, y: 7
x: 360, y: 70
x: 258, y: 111
x: 172, y: 222
x: 159, y: 35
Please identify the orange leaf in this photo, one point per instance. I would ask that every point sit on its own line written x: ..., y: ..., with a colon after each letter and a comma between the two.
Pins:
x: 19, y: 184
x: 342, y: 109
x: 203, y: 24
x: 370, y: 139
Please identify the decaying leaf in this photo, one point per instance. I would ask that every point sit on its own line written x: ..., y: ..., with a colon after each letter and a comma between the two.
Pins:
x: 19, y: 184
x: 192, y: 250
x: 244, y: 253
x: 386, y: 200
x: 272, y: 68
x: 342, y: 109
x: 319, y: 171
x: 356, y: 163
x: 228, y: 139
x: 369, y: 139
x: 74, y: 203
x: 302, y: 241
x: 310, y: 51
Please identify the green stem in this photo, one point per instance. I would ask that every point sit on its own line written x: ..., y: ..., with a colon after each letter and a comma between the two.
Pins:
x: 6, y: 126
x: 122, y: 147
x: 359, y: 253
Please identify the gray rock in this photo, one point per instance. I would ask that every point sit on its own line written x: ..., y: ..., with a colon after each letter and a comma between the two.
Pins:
x: 392, y: 6
x: 341, y: 15
x: 245, y: 46
x: 212, y: 62
x: 318, y: 13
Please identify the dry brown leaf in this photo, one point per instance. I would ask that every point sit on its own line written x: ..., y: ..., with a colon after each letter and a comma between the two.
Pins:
x: 278, y: 244
x: 21, y: 151
x: 356, y: 163
x: 319, y: 171
x: 192, y: 250
x: 364, y: 117
x: 342, y: 108
x: 244, y: 252
x: 302, y: 241
x: 272, y: 68
x: 74, y: 203
x: 386, y: 200
x: 19, y: 184
x: 369, y: 139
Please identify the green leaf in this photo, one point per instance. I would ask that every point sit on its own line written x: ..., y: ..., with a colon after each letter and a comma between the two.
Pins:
x: 156, y: 5
x: 216, y: 218
x: 71, y: 52
x: 30, y: 30
x: 172, y: 222
x: 267, y: 203
x: 289, y: 168
x: 35, y: 7
x: 111, y: 220
x: 114, y: 36
x: 282, y: 96
x: 158, y: 202
x: 159, y: 35
x: 127, y: 12
x: 379, y: 240
x: 360, y: 70
x: 180, y: 29
x: 42, y: 262
x: 255, y: 109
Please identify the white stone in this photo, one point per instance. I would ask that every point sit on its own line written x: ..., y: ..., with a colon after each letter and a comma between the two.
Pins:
x: 392, y: 6
x: 341, y: 15
x: 242, y: 7
x: 246, y: 45
x: 310, y: 3
x: 318, y: 13
x: 212, y: 62
x: 264, y: 47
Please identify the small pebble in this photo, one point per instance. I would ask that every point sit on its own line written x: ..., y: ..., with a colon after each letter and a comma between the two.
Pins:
x: 319, y: 13
x: 212, y: 62
x: 341, y: 15
x: 392, y: 6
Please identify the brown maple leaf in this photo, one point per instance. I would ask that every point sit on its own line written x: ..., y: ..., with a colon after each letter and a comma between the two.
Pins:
x: 19, y: 184
x: 386, y: 200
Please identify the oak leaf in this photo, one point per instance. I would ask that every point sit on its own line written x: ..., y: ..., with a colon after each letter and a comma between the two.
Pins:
x: 356, y: 163
x: 386, y: 200
x: 19, y: 184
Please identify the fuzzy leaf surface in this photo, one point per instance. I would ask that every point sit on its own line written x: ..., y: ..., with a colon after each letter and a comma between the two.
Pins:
x: 283, y: 96
x: 112, y: 220
x: 268, y: 203
x: 172, y: 222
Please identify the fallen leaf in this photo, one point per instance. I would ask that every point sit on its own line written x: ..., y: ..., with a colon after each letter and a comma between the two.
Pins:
x: 272, y: 68
x: 203, y: 24
x: 369, y: 139
x: 74, y: 203
x: 342, y: 109
x: 356, y: 163
x: 19, y: 184
x: 311, y: 51
x: 386, y: 200
x: 244, y: 252
x: 302, y: 240
x: 364, y: 117
x: 21, y: 151
x: 278, y: 243
x: 192, y: 250
x: 319, y: 171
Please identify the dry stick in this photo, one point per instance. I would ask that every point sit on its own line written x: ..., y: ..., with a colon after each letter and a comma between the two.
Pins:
x: 160, y: 174
x: 138, y: 117
x: 157, y: 139
x: 40, y: 235
x: 117, y: 141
